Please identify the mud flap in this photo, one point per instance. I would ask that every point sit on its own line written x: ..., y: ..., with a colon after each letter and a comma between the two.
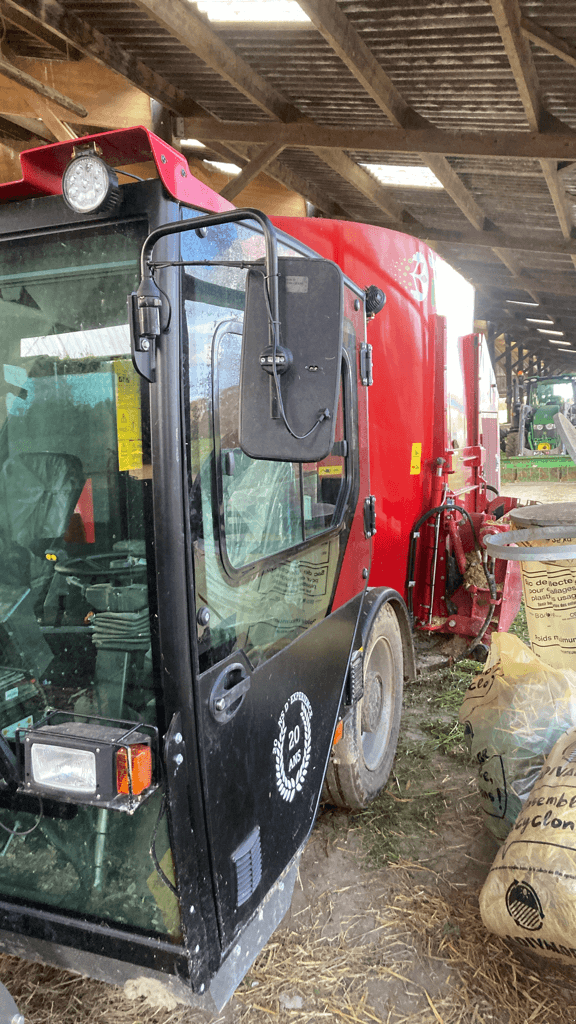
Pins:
x: 255, y: 936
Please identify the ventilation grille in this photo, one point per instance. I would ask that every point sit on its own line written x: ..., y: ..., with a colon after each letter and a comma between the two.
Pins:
x: 248, y: 863
x: 356, y: 676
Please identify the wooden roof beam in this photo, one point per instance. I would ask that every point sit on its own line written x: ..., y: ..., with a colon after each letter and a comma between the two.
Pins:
x: 182, y: 21
x: 495, y: 239
x: 279, y: 172
x: 509, y: 20
x: 252, y: 169
x: 179, y: 18
x: 507, y: 16
x: 339, y: 32
x: 557, y: 145
x: 10, y: 71
x: 104, y: 50
x: 40, y: 32
x: 371, y: 188
x: 548, y: 41
x: 513, y: 266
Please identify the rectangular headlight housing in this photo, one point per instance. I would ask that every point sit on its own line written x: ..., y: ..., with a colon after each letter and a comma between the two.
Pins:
x: 68, y: 768
x: 89, y: 763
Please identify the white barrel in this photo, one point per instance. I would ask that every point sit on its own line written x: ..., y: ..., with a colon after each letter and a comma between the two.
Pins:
x: 543, y: 540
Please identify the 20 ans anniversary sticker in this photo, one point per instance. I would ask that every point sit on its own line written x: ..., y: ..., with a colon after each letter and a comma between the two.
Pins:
x: 293, y: 746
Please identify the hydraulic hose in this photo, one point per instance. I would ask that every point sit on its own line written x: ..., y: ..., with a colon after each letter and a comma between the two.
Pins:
x: 490, y: 578
x: 414, y: 544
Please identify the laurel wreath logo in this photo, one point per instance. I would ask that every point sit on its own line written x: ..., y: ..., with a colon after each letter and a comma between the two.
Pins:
x: 289, y: 785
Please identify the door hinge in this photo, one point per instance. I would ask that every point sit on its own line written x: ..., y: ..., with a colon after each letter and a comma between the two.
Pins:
x: 370, y: 516
x: 366, y: 364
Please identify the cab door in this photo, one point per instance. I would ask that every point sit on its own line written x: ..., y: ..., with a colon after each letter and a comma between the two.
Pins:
x: 267, y: 540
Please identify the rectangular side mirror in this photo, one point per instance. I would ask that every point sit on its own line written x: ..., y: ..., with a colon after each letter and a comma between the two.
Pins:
x: 308, y: 361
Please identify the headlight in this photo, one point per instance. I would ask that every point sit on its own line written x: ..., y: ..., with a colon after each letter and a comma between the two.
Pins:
x: 538, y: 426
x: 63, y: 768
x: 88, y: 184
x: 85, y: 762
x: 550, y: 426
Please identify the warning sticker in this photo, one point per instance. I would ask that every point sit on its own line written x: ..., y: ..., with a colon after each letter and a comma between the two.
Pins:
x: 128, y: 415
x: 416, y: 459
x: 330, y: 470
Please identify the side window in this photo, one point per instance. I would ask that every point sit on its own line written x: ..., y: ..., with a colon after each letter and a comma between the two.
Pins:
x: 265, y: 552
x: 324, y: 483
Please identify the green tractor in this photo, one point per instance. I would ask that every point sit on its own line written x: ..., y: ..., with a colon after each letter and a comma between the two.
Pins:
x: 537, y: 401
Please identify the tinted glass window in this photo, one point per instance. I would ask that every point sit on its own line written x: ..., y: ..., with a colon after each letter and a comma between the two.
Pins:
x: 74, y: 572
x: 250, y: 517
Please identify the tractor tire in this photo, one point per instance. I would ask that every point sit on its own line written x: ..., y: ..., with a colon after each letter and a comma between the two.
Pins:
x: 512, y: 444
x: 361, y: 762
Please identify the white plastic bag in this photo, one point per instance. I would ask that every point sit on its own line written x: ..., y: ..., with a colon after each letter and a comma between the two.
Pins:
x: 514, y: 712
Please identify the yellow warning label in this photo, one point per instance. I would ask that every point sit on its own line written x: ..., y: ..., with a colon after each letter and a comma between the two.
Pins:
x: 543, y: 447
x: 330, y: 470
x: 128, y: 415
x: 416, y: 459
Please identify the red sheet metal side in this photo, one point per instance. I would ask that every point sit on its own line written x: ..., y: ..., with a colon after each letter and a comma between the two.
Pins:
x: 401, y: 399
x: 42, y: 167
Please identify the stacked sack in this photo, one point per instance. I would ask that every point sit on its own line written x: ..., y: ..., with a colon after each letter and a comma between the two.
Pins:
x: 513, y: 713
x: 530, y: 893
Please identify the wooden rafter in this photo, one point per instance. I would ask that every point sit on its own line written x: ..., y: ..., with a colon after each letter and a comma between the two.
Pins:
x: 507, y: 16
x: 339, y: 32
x: 548, y: 41
x: 369, y: 187
x: 509, y: 20
x: 178, y: 18
x: 8, y: 70
x: 105, y: 51
x: 514, y: 268
x: 557, y: 145
x: 40, y: 32
x: 252, y: 169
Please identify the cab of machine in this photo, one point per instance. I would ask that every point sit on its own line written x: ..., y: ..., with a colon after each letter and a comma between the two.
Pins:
x: 179, y: 478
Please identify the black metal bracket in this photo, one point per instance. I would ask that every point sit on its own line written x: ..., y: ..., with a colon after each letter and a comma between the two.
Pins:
x: 366, y: 364
x: 370, y: 516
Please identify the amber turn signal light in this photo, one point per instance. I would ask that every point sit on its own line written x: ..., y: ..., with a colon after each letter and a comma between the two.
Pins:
x: 134, y: 769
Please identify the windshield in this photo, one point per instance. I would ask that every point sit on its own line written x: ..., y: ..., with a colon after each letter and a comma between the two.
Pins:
x: 559, y: 393
x: 74, y: 568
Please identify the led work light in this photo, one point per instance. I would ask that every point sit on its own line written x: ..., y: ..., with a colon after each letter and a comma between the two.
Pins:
x: 83, y: 762
x: 88, y: 184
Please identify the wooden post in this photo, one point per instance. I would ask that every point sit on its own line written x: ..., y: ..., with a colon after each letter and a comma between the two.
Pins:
x: 508, y: 365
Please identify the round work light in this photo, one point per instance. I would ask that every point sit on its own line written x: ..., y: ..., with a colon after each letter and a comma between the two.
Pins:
x: 88, y: 184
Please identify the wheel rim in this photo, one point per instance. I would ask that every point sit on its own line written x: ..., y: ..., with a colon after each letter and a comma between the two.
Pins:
x: 379, y: 677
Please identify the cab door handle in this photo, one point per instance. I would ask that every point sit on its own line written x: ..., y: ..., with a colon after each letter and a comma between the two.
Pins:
x: 227, y: 694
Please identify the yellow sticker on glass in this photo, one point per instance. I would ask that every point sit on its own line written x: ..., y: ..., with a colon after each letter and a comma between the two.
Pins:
x: 416, y: 459
x: 128, y: 415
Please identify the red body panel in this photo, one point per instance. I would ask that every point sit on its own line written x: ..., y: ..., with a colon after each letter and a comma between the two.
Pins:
x: 402, y: 398
x: 431, y: 412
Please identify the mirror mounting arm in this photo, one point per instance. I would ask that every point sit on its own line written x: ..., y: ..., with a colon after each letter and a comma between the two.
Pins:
x: 145, y: 305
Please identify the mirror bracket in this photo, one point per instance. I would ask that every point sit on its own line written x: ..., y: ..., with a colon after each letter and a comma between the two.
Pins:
x: 145, y: 305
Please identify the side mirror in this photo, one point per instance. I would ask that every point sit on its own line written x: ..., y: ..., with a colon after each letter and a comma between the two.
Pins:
x: 289, y: 389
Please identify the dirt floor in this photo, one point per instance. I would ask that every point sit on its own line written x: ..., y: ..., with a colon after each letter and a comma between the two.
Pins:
x: 384, y: 924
